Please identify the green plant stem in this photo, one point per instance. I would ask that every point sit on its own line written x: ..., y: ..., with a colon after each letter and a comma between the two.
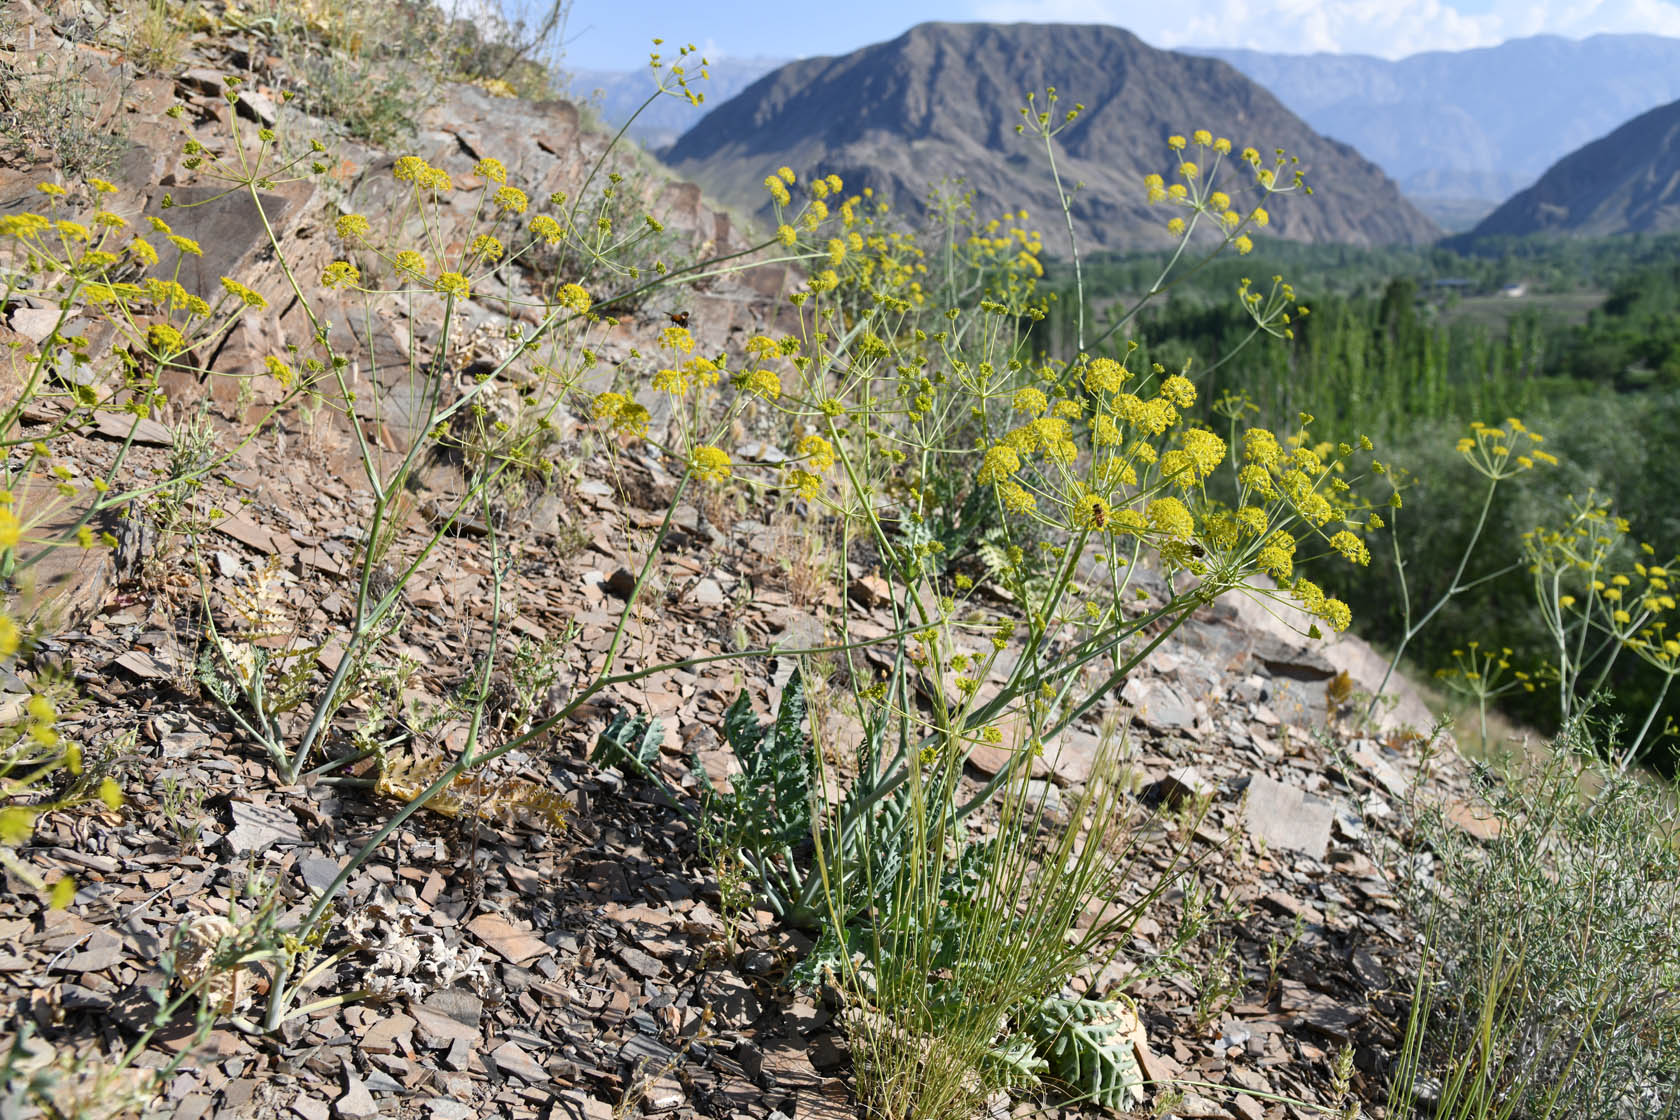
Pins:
x: 1644, y: 728
x: 1073, y: 243
x: 1453, y: 588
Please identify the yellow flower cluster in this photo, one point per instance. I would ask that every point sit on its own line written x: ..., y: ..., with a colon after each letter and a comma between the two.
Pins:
x: 1196, y: 194
x: 453, y: 284
x: 697, y: 370
x: 340, y: 274
x: 622, y: 414
x: 573, y: 297
x: 425, y: 177
x: 547, y: 229
x: 1494, y: 451
x: 1316, y: 603
x: 510, y: 200
x: 246, y: 296
x: 710, y: 464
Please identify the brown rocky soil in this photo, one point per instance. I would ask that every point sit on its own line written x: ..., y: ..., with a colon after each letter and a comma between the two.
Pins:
x: 595, y: 970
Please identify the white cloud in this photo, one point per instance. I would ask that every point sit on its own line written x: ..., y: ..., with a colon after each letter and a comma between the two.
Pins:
x: 1386, y: 28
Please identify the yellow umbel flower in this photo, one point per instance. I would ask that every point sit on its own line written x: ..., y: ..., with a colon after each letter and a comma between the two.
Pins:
x: 1092, y: 512
x: 453, y: 284
x: 1205, y: 450
x: 351, y: 227
x: 1170, y: 517
x: 998, y: 464
x: 1015, y: 499
x: 817, y: 451
x: 763, y: 383
x: 547, y: 228
x: 247, y: 296
x: 492, y: 169
x: 510, y: 200
x: 1351, y: 547
x: 804, y: 483
x: 165, y: 339
x: 340, y: 274
x: 573, y: 297
x: 710, y: 464
x: 1105, y: 375
x: 1261, y: 448
x: 1029, y: 400
x: 670, y: 381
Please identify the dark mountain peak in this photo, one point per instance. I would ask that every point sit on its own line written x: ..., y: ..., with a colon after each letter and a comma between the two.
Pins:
x: 1626, y: 182
x: 941, y: 101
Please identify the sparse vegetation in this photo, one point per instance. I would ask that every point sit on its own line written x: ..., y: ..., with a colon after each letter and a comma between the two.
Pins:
x: 1548, y: 985
x: 945, y: 818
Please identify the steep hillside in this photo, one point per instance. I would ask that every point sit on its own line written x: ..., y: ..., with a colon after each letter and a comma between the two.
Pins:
x: 1626, y: 182
x: 941, y: 101
x: 1476, y: 124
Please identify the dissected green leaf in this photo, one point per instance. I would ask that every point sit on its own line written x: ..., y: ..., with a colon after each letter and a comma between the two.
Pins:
x: 1088, y: 1044
x: 630, y: 741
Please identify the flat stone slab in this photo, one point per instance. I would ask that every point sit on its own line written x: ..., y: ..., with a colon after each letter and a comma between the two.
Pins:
x: 1286, y: 817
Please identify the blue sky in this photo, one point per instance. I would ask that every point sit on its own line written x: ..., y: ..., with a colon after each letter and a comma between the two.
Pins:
x: 615, y: 34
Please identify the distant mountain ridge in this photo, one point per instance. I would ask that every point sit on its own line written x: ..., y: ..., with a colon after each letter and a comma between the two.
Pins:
x: 1474, y: 124
x: 1626, y: 182
x: 942, y: 100
x: 617, y: 94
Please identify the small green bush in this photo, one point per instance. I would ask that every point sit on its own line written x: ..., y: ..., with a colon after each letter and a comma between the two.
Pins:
x: 1550, y: 986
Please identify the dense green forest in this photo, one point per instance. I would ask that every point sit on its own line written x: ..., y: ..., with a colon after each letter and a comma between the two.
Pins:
x: 1578, y: 338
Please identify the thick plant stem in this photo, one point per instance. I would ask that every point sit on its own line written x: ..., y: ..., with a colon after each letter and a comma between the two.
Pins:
x: 1644, y: 728
x: 1453, y: 588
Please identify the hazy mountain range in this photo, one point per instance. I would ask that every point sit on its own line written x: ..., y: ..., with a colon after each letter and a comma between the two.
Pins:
x: 617, y: 94
x: 1459, y: 131
x: 1626, y: 182
x: 942, y: 100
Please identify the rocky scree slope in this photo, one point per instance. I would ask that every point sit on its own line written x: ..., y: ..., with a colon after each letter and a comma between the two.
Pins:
x: 593, y: 972
x: 942, y: 101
